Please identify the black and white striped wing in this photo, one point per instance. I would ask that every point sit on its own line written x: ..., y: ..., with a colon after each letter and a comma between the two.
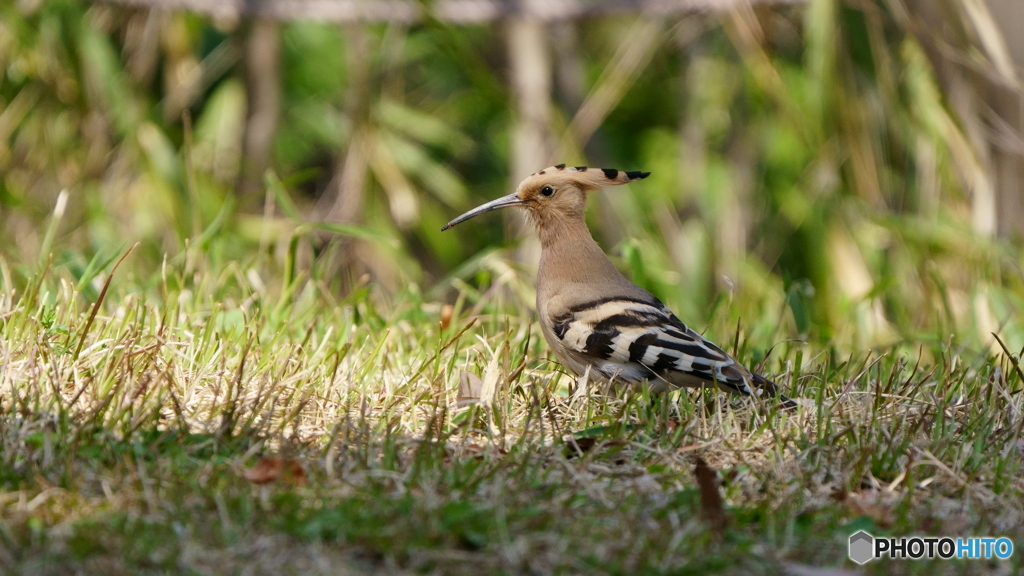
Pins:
x: 633, y: 340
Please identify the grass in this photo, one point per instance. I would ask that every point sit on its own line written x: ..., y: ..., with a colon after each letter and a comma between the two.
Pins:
x: 128, y: 441
x: 811, y: 180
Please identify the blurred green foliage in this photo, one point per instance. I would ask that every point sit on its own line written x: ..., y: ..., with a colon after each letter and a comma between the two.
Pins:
x: 807, y: 170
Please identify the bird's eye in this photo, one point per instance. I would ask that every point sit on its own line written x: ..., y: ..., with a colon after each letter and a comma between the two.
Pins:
x: 547, y: 191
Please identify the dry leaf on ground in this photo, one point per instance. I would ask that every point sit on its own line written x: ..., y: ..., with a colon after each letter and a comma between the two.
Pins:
x: 272, y: 468
x: 470, y: 386
x: 711, y: 506
x: 869, y: 503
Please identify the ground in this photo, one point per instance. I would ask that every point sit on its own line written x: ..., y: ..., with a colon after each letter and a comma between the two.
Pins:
x: 182, y: 425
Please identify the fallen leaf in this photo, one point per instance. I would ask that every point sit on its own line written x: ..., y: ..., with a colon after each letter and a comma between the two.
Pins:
x: 711, y: 507
x: 265, y: 471
x: 296, y: 474
x: 575, y: 447
x: 470, y: 386
x: 270, y: 468
x: 805, y: 570
x: 579, y: 446
x: 871, y: 504
x: 472, y: 450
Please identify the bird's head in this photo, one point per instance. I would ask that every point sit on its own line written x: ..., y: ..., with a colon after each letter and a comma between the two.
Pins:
x: 555, y: 194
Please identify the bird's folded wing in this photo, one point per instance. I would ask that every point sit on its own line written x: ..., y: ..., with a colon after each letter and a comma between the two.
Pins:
x: 635, y: 339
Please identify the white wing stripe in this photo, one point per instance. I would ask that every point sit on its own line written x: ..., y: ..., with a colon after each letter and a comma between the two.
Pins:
x: 651, y: 355
x: 635, y: 341
x: 576, y: 336
x: 594, y: 315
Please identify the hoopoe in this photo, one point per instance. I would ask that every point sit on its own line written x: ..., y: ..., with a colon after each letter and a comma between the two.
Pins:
x: 596, y: 321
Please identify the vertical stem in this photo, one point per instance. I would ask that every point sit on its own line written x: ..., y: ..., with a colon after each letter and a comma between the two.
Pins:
x: 570, y: 76
x: 530, y: 63
x: 988, y: 103
x: 1007, y: 102
x: 142, y: 44
x: 346, y: 191
x: 263, y: 91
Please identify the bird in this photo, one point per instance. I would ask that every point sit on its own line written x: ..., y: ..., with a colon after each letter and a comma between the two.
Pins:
x: 599, y: 324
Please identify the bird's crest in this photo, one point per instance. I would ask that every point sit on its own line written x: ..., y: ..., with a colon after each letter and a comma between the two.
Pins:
x: 555, y: 192
x: 584, y: 177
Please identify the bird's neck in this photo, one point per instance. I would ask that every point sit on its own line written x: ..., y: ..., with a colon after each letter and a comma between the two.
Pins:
x: 571, y: 257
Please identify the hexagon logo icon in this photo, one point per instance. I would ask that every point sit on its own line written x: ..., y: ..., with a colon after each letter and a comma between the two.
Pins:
x: 862, y: 547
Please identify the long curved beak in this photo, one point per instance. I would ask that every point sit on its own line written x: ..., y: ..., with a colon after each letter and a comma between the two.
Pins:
x: 503, y: 202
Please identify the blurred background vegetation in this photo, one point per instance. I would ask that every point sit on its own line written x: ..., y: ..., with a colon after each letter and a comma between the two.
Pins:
x: 848, y: 171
